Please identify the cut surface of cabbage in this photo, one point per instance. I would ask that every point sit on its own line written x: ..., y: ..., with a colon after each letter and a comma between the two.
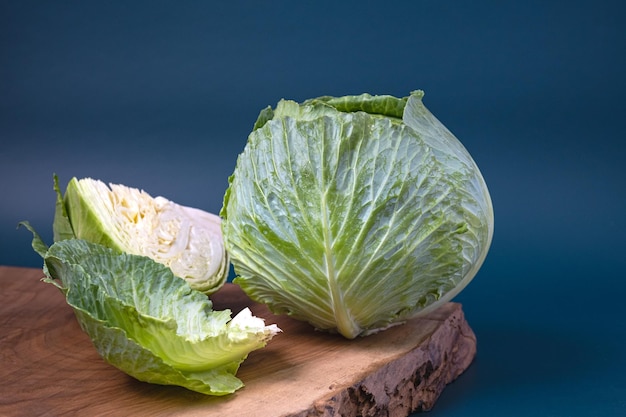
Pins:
x: 186, y: 239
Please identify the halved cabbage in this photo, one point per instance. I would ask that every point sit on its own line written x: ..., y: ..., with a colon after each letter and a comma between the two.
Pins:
x: 187, y: 240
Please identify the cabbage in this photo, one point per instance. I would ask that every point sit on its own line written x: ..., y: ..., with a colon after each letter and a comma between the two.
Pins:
x: 355, y: 213
x: 149, y: 323
x: 186, y: 239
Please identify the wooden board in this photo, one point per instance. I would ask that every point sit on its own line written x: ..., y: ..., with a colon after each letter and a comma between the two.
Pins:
x: 49, y: 366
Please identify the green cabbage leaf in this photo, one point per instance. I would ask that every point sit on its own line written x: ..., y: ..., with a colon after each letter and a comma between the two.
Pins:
x: 149, y: 323
x: 355, y: 213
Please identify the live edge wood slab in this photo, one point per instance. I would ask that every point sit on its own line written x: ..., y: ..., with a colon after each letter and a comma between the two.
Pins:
x: 49, y: 367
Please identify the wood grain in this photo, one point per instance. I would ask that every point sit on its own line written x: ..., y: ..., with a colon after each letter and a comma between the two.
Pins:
x: 49, y: 366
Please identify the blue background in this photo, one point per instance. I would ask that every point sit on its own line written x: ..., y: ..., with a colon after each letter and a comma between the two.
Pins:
x: 162, y: 95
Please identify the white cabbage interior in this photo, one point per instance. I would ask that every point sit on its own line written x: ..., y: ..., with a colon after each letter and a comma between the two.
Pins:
x: 187, y: 240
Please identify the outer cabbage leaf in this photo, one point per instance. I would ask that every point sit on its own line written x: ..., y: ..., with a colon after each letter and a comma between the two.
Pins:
x: 149, y: 323
x: 355, y: 213
x: 186, y: 239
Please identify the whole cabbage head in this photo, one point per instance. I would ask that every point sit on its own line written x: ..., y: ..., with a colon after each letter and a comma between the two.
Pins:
x: 355, y: 213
